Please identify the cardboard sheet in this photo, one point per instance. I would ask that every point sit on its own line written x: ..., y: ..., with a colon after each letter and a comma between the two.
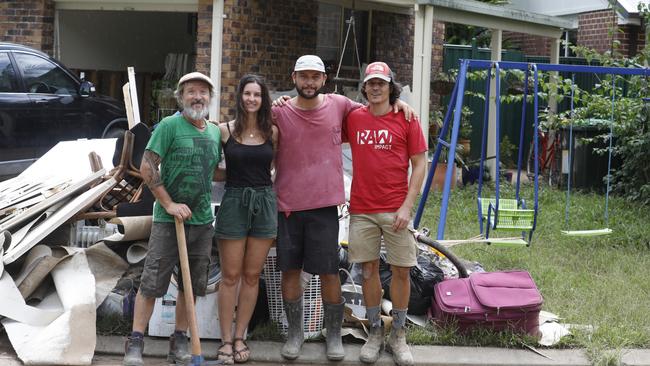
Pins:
x: 13, y: 304
x: 82, y: 282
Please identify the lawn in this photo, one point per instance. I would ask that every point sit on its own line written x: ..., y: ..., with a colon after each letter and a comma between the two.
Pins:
x: 603, y: 282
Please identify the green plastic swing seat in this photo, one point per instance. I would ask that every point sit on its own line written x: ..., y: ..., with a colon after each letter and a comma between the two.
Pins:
x: 598, y: 232
x: 510, y: 216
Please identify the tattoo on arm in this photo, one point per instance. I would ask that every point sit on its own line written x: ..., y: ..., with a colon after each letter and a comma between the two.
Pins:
x: 149, y: 169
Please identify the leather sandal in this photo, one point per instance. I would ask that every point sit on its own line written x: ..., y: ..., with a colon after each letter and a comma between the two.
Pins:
x: 241, y: 355
x: 226, y: 357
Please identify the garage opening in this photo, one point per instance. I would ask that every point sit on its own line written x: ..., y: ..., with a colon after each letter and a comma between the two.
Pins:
x: 161, y: 46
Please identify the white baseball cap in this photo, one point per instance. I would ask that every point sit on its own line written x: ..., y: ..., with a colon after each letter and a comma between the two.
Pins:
x: 309, y: 62
x: 377, y: 70
x: 196, y: 76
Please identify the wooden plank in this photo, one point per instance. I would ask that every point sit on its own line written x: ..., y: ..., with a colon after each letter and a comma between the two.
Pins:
x: 58, y: 218
x: 51, y: 201
x: 126, y: 90
x: 134, y: 97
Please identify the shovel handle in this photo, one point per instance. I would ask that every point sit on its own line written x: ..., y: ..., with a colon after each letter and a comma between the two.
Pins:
x: 187, y: 287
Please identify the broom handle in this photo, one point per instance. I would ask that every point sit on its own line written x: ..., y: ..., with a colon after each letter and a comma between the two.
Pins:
x: 187, y: 282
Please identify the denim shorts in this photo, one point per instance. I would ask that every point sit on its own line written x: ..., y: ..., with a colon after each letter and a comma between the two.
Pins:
x: 162, y: 256
x: 247, y: 212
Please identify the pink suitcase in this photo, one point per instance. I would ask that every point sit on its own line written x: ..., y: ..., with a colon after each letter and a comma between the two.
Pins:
x: 495, y: 300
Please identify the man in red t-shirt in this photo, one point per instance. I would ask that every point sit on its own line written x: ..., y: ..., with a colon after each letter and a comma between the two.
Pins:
x: 382, y: 197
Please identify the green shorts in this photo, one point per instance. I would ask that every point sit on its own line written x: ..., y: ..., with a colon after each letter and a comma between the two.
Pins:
x: 247, y: 212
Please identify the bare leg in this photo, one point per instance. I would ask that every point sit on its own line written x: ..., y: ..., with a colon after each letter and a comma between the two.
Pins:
x: 143, y: 308
x: 400, y: 287
x: 257, y: 250
x: 371, y: 283
x: 181, y: 312
x: 291, y: 286
x: 231, y: 256
x: 331, y: 288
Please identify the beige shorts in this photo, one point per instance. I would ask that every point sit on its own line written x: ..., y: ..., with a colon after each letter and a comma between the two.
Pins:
x: 366, y: 231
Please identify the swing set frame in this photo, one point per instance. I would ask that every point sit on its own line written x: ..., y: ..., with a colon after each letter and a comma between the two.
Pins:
x: 491, y: 210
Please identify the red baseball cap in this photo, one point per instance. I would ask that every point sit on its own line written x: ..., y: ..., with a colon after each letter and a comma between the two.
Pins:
x: 377, y: 70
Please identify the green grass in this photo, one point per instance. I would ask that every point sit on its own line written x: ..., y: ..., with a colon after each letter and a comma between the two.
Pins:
x: 599, y: 281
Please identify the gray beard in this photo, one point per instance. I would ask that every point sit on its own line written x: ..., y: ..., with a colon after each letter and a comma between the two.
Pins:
x: 194, y: 114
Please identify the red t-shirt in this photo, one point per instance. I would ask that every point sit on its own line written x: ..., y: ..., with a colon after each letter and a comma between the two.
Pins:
x: 381, y: 149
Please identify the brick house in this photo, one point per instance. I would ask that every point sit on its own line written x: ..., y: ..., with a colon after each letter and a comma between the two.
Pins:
x: 163, y: 39
x: 593, y: 21
x: 262, y: 37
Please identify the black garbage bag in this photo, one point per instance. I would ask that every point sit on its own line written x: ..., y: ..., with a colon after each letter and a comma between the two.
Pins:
x: 344, y: 264
x: 424, y: 276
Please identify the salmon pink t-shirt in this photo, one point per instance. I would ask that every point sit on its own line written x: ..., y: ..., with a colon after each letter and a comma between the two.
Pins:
x: 308, y: 162
x: 381, y: 150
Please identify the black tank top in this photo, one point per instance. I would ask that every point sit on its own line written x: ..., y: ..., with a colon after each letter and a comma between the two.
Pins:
x: 248, y: 165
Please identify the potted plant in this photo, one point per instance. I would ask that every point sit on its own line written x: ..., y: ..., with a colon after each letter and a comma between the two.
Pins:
x: 441, y: 168
x: 508, y: 157
x: 442, y: 82
x: 465, y: 132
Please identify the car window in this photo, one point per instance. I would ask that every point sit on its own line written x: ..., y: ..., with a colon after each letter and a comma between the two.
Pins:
x: 43, y: 76
x: 8, y: 81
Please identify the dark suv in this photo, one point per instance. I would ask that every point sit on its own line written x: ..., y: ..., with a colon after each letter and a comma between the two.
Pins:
x: 42, y: 103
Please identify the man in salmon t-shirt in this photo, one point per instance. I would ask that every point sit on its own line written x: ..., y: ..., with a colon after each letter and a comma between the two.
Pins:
x: 309, y: 186
x: 382, y: 197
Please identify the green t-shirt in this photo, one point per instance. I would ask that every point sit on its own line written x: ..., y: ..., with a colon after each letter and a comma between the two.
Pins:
x: 188, y: 159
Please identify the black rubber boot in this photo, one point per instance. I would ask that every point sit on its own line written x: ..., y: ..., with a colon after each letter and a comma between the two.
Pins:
x: 295, y: 335
x: 133, y: 352
x: 333, y: 320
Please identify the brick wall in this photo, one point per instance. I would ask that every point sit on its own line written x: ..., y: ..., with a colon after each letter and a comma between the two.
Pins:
x: 594, y: 32
x: 529, y: 44
x: 263, y: 37
x: 593, y: 29
x: 266, y: 37
x: 28, y: 22
x: 632, y: 40
x: 392, y: 42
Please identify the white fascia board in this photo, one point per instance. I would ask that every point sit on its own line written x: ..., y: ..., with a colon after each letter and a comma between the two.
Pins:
x: 394, y: 6
x: 497, y: 17
x: 184, y: 6
x: 558, y: 7
x: 492, y: 22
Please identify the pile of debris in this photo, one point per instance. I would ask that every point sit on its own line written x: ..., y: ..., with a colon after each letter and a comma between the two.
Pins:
x: 54, y: 273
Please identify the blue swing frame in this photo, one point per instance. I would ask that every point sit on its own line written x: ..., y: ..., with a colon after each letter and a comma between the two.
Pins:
x: 454, y: 108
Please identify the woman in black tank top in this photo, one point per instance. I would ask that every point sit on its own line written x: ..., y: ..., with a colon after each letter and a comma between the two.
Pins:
x: 246, y: 223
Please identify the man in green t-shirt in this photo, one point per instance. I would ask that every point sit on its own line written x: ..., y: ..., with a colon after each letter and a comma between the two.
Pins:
x: 187, y: 148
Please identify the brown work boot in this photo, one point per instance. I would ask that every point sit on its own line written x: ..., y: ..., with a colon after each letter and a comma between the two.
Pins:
x: 178, y: 349
x: 397, y: 346
x: 371, y: 350
x: 133, y: 348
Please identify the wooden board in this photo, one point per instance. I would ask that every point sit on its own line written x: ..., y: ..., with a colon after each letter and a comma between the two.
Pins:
x: 34, y: 210
x: 56, y: 220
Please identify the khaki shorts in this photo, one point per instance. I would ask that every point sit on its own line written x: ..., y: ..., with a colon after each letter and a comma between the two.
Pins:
x: 366, y: 231
x: 162, y: 256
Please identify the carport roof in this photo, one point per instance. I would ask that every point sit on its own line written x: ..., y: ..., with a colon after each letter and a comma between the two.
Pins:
x: 489, y: 16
